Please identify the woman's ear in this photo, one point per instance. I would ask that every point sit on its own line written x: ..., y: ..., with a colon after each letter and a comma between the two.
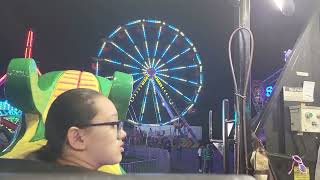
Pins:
x: 75, y: 138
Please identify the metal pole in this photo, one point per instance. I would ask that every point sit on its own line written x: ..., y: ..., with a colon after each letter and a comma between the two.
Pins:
x: 244, y: 54
x: 225, y: 121
x: 210, y: 125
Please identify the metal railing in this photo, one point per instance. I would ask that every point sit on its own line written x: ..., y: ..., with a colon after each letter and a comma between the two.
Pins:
x: 145, y: 166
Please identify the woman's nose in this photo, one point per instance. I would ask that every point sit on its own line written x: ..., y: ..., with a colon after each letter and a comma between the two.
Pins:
x: 123, y: 134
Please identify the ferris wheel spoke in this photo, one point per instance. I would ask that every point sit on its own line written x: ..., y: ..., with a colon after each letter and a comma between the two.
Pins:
x: 166, y: 100
x: 137, y: 79
x: 133, y: 43
x: 126, y: 53
x: 174, y: 89
x: 146, y: 42
x: 174, y: 57
x: 139, y: 87
x: 189, y: 82
x: 101, y: 49
x: 144, y: 102
x: 156, y: 46
x: 156, y: 104
x: 166, y: 50
x: 116, y: 62
x: 179, y: 68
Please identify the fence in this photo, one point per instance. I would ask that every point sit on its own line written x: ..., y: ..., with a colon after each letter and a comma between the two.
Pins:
x: 156, y: 160
x: 145, y: 166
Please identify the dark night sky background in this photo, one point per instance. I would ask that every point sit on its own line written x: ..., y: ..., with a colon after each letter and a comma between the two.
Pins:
x: 68, y: 33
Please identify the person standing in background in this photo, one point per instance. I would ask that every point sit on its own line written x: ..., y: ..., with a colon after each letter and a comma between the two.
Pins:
x: 207, y: 158
x: 200, y: 149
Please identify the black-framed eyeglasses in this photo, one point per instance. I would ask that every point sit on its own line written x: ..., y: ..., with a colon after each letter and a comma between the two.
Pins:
x: 119, y: 125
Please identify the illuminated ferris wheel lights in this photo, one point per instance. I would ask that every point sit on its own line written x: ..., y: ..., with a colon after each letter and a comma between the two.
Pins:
x: 153, y: 21
x: 144, y: 101
x: 200, y: 68
x: 188, y: 40
x: 145, y: 40
x: 134, y: 74
x: 163, y: 75
x: 175, y: 89
x: 101, y: 49
x: 114, y: 32
x: 125, y: 30
x: 112, y: 61
x: 133, y: 43
x: 122, y: 50
x: 194, y: 49
x: 175, y: 57
x: 156, y: 49
x: 193, y: 66
x: 158, y: 116
x: 149, y: 63
x: 133, y: 22
x: 180, y: 79
x: 173, y: 28
x: 195, y: 98
x: 192, y: 82
x: 160, y: 66
x: 164, y: 53
x: 148, y: 51
x: 133, y: 67
x: 137, y: 79
x: 159, y: 32
x: 153, y: 60
x: 198, y: 58
x: 157, y: 43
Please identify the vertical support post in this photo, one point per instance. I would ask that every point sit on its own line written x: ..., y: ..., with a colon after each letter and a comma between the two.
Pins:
x: 210, y: 126
x: 225, y: 121
x: 244, y: 54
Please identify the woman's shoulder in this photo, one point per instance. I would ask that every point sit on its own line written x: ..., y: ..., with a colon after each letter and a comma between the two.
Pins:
x: 36, y: 166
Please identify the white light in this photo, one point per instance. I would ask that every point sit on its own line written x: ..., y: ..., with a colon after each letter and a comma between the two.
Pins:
x: 287, y: 7
x: 279, y: 4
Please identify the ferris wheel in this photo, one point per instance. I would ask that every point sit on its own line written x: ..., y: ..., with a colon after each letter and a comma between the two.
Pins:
x: 164, y: 63
x: 10, y: 125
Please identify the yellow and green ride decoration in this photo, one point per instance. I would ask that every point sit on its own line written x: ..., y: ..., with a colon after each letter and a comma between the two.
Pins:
x: 34, y: 94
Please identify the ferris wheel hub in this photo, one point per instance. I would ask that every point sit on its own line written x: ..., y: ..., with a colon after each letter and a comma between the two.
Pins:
x: 151, y: 72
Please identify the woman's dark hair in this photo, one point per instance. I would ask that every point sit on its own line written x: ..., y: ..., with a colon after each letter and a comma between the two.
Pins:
x: 72, y: 108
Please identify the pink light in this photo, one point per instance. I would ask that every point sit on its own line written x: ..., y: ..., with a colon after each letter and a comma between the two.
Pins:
x: 3, y: 79
x: 28, y: 50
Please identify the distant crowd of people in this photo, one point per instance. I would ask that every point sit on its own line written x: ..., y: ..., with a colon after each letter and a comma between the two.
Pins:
x: 154, y: 138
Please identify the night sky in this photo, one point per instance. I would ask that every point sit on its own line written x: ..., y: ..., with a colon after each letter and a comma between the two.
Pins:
x: 68, y: 34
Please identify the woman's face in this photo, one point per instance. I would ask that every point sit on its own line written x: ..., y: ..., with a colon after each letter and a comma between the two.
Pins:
x: 102, y: 144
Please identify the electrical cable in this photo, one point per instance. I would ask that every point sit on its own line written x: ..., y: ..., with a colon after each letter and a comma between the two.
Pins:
x: 242, y: 118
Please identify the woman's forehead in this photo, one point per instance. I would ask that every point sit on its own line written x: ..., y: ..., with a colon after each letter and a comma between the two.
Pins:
x: 105, y: 108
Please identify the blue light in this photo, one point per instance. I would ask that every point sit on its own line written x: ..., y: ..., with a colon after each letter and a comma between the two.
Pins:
x: 173, y: 28
x: 269, y: 90
x: 131, y: 40
x: 192, y: 66
x: 133, y: 22
x: 198, y: 58
x: 192, y: 82
x: 196, y: 98
x: 153, y: 21
x: 7, y: 110
x: 114, y: 32
x: 119, y: 48
x: 188, y: 40
x: 125, y: 30
x: 145, y: 39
